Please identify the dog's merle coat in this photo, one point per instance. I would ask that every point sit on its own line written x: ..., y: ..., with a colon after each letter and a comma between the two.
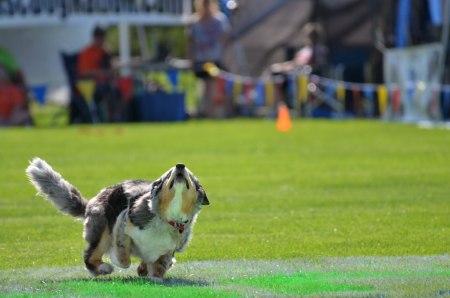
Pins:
x: 151, y: 220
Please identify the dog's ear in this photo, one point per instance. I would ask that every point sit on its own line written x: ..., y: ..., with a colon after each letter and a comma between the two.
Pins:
x: 205, y: 200
x: 202, y: 196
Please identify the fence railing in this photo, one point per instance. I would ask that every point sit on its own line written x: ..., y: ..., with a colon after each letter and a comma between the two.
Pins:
x: 166, y: 12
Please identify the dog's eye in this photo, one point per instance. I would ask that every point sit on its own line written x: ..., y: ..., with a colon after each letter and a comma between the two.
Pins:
x: 197, y: 185
x: 157, y: 185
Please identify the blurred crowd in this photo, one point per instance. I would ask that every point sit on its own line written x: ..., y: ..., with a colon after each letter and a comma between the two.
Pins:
x: 208, y: 37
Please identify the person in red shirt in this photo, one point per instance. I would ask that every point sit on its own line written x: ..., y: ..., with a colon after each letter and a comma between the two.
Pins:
x: 94, y: 62
x: 13, y: 105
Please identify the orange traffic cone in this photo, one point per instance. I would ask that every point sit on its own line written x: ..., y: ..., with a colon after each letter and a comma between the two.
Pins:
x: 283, y: 120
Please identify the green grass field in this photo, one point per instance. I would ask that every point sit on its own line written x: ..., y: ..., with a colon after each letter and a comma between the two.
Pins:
x: 369, y: 195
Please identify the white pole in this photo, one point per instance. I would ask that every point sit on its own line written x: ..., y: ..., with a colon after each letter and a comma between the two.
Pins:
x: 187, y: 9
x: 155, y: 41
x: 142, y: 38
x: 124, y: 39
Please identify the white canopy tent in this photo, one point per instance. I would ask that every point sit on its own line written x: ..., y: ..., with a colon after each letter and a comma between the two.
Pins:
x: 37, y: 39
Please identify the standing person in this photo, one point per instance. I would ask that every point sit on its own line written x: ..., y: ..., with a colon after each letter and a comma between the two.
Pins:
x: 208, y: 36
x: 314, y: 51
x: 94, y: 62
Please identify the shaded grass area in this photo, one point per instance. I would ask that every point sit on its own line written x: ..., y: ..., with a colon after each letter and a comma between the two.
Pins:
x: 348, y: 188
x: 330, y: 277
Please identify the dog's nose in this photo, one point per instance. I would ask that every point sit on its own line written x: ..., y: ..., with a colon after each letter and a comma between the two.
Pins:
x: 180, y: 166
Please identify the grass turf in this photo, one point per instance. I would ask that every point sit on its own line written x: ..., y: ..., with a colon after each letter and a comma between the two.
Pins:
x: 326, y: 189
x: 335, y: 277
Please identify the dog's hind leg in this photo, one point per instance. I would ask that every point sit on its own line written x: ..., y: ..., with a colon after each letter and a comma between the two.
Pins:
x: 98, y: 244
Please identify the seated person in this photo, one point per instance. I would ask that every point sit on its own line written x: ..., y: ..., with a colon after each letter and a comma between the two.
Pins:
x: 12, y: 68
x: 94, y: 62
x: 13, y: 104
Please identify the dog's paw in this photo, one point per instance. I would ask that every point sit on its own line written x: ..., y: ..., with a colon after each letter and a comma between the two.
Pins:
x: 124, y: 263
x: 104, y: 269
x: 142, y: 269
x: 156, y: 279
x: 158, y: 270
x: 120, y: 260
x: 173, y: 262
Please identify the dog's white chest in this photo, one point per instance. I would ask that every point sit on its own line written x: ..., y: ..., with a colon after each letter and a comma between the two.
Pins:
x: 154, y: 241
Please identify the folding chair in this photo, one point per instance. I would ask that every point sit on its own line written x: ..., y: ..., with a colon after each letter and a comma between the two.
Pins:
x: 78, y: 109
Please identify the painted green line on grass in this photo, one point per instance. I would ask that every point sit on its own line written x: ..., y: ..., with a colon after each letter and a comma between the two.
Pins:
x: 324, y: 282
x: 137, y: 287
x: 302, y: 283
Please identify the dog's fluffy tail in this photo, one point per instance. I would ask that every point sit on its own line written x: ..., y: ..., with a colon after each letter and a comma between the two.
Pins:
x: 51, y: 185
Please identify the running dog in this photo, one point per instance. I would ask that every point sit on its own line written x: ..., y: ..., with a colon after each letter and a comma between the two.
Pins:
x: 150, y: 220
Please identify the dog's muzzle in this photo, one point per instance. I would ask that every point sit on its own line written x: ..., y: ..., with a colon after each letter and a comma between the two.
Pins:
x: 179, y: 175
x: 180, y: 172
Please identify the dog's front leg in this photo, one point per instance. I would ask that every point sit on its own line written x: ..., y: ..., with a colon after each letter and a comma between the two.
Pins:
x: 155, y: 271
x: 142, y: 269
x: 122, y: 242
x: 148, y: 269
x: 123, y: 247
x: 161, y: 266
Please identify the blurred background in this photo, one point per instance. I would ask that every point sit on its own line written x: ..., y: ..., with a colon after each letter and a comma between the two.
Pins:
x: 323, y: 58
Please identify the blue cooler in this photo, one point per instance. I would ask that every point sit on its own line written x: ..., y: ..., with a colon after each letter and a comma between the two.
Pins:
x: 161, y: 106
